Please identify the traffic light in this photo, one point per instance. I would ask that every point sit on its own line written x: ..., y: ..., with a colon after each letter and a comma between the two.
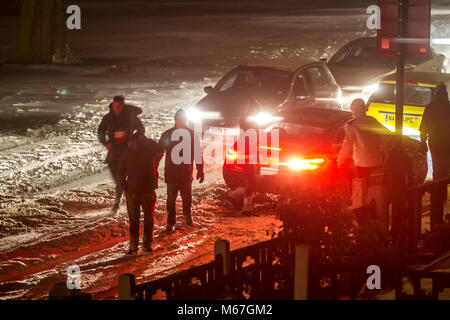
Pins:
x: 416, y: 29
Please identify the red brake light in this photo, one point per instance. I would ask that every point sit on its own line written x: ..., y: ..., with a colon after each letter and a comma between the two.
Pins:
x: 231, y: 155
x: 304, y: 164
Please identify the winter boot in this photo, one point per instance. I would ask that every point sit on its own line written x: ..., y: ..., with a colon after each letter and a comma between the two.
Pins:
x: 115, y: 207
x: 147, y: 249
x: 188, y: 221
x: 131, y: 252
x: 248, y: 205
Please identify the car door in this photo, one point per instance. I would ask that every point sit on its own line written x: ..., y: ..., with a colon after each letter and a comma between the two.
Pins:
x: 324, y: 89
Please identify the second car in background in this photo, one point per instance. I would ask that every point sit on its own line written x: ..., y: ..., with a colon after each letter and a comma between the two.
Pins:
x: 358, y: 70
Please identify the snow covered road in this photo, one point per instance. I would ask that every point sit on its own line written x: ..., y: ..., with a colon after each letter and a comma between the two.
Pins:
x: 55, y: 192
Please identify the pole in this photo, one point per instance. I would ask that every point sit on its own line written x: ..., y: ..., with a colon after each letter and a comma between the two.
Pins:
x: 399, y: 87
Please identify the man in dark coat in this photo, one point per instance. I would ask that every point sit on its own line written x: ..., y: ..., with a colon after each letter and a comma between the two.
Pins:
x: 435, y: 128
x: 179, y: 168
x: 137, y: 175
x: 114, y: 131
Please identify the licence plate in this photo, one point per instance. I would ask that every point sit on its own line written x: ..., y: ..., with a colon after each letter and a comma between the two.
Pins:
x: 224, y: 131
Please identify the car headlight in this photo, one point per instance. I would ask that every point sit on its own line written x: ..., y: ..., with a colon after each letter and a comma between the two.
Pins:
x: 196, y: 115
x: 339, y: 97
x: 193, y: 115
x: 371, y: 88
x: 264, y: 118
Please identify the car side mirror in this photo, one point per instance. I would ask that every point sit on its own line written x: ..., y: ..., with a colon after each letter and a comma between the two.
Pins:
x: 208, y: 89
x: 410, y: 67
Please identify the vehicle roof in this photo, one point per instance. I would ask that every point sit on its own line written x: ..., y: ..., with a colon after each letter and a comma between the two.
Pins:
x: 422, y: 77
x: 370, y: 42
x: 279, y: 65
x: 363, y: 42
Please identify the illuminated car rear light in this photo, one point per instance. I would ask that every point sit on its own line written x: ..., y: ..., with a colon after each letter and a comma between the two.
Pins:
x: 270, y: 148
x: 303, y: 164
x: 231, y: 155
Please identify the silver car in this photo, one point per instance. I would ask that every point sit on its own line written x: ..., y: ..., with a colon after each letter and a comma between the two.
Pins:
x: 358, y: 70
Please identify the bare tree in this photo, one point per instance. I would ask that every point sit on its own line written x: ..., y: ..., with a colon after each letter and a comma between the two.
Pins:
x: 42, y: 32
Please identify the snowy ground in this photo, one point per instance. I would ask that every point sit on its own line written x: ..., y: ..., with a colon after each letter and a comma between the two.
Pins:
x: 55, y: 192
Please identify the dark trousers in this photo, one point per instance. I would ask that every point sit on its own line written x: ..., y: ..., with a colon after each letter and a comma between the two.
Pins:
x: 364, y: 172
x: 119, y: 190
x: 185, y: 190
x: 441, y: 164
x: 134, y: 203
x: 441, y: 169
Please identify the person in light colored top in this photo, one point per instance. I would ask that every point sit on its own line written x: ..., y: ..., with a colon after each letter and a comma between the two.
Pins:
x: 365, y: 141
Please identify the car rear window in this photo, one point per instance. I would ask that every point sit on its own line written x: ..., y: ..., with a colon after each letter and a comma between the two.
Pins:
x: 415, y: 95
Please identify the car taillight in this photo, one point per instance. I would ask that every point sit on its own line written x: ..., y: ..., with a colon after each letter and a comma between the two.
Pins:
x: 304, y: 164
x: 231, y: 155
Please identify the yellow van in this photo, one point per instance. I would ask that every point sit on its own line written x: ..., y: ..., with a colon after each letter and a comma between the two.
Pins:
x: 419, y: 91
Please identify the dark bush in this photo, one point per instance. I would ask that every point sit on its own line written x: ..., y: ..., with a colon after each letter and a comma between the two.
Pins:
x: 341, y: 249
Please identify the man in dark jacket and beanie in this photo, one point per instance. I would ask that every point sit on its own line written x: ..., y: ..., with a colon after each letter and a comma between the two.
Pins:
x: 179, y: 168
x: 435, y: 128
x: 137, y: 175
x: 114, y: 131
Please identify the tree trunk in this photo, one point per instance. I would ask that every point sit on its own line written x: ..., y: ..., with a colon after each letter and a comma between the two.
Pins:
x: 42, y: 31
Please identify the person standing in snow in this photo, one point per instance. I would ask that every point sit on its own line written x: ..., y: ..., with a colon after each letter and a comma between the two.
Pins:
x: 179, y: 174
x: 137, y: 176
x: 435, y: 129
x: 364, y: 142
x: 114, y: 131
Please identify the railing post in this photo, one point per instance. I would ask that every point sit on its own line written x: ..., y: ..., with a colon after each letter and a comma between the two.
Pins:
x: 127, y: 285
x: 301, y: 265
x: 222, y: 247
x: 414, y: 222
x: 437, y: 199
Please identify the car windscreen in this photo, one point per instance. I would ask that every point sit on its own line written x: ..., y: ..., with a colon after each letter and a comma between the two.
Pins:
x: 414, y: 95
x: 267, y: 84
x: 365, y: 57
x: 361, y: 57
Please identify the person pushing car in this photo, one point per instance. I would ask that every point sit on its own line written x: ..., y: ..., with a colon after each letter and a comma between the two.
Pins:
x: 179, y: 168
x: 137, y: 175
